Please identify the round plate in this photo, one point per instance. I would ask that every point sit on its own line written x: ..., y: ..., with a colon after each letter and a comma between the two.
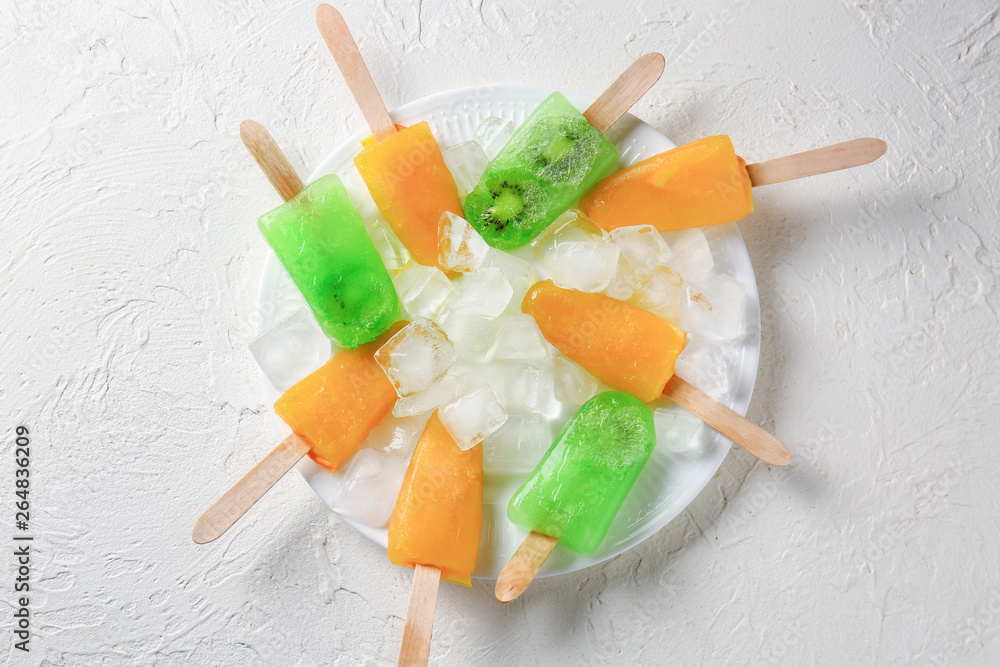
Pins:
x: 669, y: 482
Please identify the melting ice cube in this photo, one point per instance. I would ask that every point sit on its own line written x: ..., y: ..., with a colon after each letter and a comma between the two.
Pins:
x: 692, y: 258
x: 474, y: 416
x: 484, y: 292
x: 660, y: 292
x: 493, y: 133
x: 466, y: 161
x: 714, y: 310
x: 675, y: 428
x: 416, y: 357
x: 460, y: 247
x: 397, y: 435
x: 473, y: 335
x: 570, y: 227
x: 518, y: 445
x: 532, y: 385
x: 422, y: 290
x: 704, y: 364
x: 369, y: 484
x: 622, y: 285
x: 643, y: 246
x: 519, y: 274
x: 291, y: 349
x: 572, y: 383
x: 394, y: 254
x: 520, y: 338
x: 475, y: 375
x: 444, y: 391
x: 586, y: 266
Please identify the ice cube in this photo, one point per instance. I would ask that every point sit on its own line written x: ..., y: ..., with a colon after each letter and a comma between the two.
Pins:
x: 622, y: 286
x: 446, y: 390
x: 416, y: 357
x: 570, y: 227
x: 292, y: 349
x: 422, y: 290
x: 704, y: 364
x: 715, y: 310
x: 394, y: 254
x: 397, y: 435
x: 692, y: 258
x: 484, y: 292
x: 368, y: 486
x: 519, y: 274
x: 518, y: 445
x: 532, y: 385
x: 660, y: 292
x: 572, y: 383
x: 474, y: 416
x: 473, y: 335
x: 643, y: 246
x: 493, y: 133
x: 586, y: 266
x: 520, y: 338
x: 466, y: 161
x: 675, y: 429
x: 460, y: 247
x: 474, y: 375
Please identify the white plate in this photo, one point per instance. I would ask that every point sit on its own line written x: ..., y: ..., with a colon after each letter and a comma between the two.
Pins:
x: 667, y: 484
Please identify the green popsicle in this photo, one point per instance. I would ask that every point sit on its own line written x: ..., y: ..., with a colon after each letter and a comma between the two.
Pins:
x: 580, y: 484
x: 321, y: 241
x: 552, y: 159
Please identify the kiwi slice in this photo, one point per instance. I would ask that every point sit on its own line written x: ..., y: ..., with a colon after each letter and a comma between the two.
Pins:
x: 561, y: 150
x: 505, y: 208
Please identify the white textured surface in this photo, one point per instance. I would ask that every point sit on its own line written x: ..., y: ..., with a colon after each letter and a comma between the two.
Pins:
x: 130, y: 267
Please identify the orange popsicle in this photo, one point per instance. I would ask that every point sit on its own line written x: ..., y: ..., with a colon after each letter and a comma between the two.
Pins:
x: 698, y: 184
x: 627, y: 347
x: 335, y: 408
x: 438, y: 515
x: 407, y: 177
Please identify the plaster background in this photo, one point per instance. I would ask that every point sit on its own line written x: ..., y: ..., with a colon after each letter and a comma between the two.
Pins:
x: 130, y: 265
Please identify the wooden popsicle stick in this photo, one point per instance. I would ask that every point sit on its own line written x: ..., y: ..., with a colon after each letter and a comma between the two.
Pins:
x: 272, y: 161
x: 844, y: 155
x: 625, y: 91
x: 523, y: 566
x: 352, y: 66
x: 416, y: 646
x: 737, y: 428
x: 235, y: 502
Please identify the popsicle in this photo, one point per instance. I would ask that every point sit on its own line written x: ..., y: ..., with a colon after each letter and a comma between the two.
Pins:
x: 435, y: 527
x: 331, y: 410
x: 575, y: 491
x: 580, y: 484
x: 623, y: 345
x: 404, y: 170
x: 320, y: 239
x: 635, y: 351
x: 406, y: 176
x: 335, y: 408
x: 705, y: 183
x: 554, y: 157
